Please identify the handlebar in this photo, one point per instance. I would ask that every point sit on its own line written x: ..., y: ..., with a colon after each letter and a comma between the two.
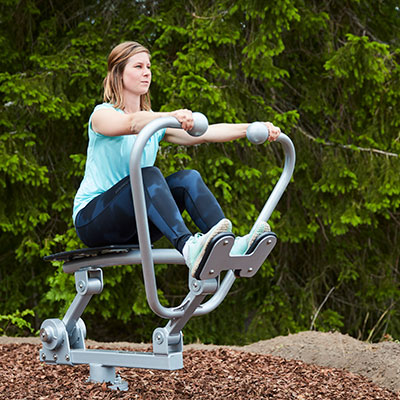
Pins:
x: 135, y: 171
x: 258, y: 133
x: 200, y: 127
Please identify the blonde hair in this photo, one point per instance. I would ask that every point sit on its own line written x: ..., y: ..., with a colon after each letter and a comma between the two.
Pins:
x: 112, y: 83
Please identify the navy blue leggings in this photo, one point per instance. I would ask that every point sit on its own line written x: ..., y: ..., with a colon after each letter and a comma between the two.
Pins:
x: 109, y: 218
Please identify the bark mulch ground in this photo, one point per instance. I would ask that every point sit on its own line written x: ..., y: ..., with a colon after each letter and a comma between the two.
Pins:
x: 215, y: 374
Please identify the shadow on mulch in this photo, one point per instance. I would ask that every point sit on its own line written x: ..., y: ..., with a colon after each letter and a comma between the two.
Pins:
x: 216, y: 374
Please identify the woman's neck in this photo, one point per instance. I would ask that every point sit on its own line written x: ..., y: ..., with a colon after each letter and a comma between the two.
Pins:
x: 131, y: 103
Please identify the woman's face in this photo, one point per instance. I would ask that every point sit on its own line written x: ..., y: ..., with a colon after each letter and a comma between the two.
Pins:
x: 136, y: 77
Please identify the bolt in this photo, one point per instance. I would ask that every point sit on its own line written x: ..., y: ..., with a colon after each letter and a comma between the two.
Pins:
x: 44, y: 357
x: 81, y: 286
x: 159, y: 338
x: 67, y: 357
x: 196, y: 286
x: 269, y: 241
x: 225, y: 242
x: 250, y: 270
x: 44, y: 335
x: 55, y: 357
x: 211, y: 272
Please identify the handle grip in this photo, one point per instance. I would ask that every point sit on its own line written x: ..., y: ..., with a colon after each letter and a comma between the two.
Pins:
x: 200, y: 124
x: 257, y: 133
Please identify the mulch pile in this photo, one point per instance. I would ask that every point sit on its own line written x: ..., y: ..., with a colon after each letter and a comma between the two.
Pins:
x: 216, y: 374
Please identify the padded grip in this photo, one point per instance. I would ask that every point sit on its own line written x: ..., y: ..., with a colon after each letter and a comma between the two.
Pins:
x: 200, y: 124
x: 257, y: 133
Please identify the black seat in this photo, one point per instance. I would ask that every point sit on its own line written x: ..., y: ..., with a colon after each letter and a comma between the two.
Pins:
x: 91, y: 252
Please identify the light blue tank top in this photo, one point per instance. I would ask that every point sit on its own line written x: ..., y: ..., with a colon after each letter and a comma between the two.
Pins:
x: 108, y: 161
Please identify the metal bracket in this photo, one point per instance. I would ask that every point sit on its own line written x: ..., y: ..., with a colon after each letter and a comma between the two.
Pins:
x: 89, y: 281
x: 56, y: 348
x: 165, y: 343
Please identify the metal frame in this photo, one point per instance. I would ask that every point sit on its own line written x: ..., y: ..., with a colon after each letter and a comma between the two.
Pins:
x: 63, y: 341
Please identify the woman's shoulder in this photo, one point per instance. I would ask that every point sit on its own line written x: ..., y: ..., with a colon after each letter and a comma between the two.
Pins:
x: 106, y: 106
x: 93, y: 116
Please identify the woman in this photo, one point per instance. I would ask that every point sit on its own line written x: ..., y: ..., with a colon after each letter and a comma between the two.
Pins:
x: 103, y: 209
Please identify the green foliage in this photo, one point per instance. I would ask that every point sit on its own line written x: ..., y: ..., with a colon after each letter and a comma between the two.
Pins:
x: 328, y: 74
x: 16, y: 324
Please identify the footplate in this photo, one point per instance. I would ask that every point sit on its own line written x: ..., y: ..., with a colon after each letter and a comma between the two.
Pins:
x: 245, y: 265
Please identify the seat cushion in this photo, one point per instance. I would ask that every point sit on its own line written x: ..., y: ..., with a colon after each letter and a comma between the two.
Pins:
x: 91, y: 252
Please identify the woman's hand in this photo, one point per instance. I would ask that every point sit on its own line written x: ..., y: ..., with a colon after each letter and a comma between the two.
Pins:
x: 274, y: 131
x: 185, y: 118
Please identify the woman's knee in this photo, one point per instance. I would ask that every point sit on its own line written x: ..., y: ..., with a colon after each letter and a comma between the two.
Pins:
x: 190, y: 176
x: 151, y: 174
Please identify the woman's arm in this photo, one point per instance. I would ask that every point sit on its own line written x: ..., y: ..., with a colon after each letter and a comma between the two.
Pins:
x: 110, y: 122
x: 214, y: 134
x: 217, y: 133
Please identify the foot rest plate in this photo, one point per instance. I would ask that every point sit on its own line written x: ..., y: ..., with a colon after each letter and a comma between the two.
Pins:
x: 245, y: 265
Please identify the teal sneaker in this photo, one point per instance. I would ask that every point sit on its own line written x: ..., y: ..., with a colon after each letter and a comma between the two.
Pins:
x: 243, y: 243
x: 196, y: 246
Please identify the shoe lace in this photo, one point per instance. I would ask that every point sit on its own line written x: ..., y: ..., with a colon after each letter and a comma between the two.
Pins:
x: 197, y: 237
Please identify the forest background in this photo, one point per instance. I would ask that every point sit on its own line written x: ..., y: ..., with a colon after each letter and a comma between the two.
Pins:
x: 326, y: 72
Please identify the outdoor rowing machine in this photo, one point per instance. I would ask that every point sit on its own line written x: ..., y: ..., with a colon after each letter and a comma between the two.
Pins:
x: 63, y: 340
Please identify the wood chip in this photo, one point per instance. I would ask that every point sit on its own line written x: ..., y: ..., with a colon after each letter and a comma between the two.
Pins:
x: 216, y: 374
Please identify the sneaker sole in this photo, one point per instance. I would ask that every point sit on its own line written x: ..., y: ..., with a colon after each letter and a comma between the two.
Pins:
x: 266, y: 229
x: 257, y: 241
x: 225, y: 227
x: 207, y: 250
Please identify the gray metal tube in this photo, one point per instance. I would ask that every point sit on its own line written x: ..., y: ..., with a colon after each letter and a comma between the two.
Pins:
x: 273, y: 199
x: 75, y: 311
x: 160, y: 256
x: 141, y: 214
x: 290, y: 159
x: 218, y: 297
